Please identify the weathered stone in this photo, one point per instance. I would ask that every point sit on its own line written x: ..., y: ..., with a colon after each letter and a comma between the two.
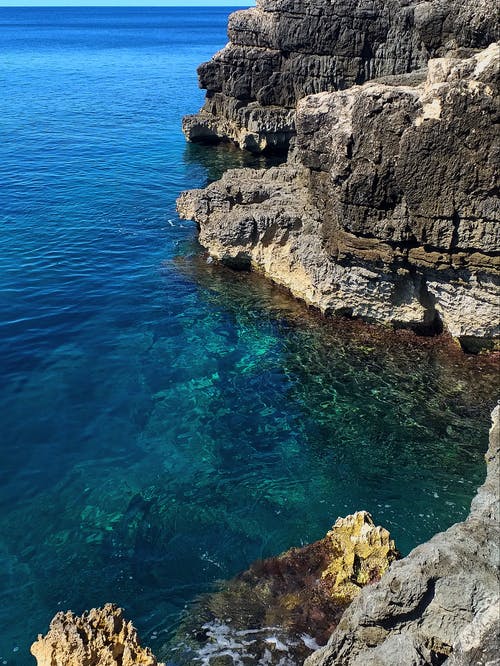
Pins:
x: 100, y: 637
x: 387, y: 208
x: 440, y: 604
x: 280, y: 52
x: 360, y: 554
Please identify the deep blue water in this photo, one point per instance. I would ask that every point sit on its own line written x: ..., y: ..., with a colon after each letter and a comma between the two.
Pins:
x: 165, y: 422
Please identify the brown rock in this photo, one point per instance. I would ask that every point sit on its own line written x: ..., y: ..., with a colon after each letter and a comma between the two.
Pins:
x: 293, y: 600
x: 100, y: 637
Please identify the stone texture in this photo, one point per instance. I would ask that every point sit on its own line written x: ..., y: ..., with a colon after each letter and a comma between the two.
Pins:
x: 100, y: 637
x: 440, y: 604
x: 386, y: 210
x: 292, y: 600
x: 283, y: 50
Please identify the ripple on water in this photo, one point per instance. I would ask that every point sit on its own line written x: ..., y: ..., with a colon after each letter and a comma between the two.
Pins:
x: 166, y: 422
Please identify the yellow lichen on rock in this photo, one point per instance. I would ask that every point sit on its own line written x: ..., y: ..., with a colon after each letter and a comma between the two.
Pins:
x: 361, y: 553
x: 100, y: 637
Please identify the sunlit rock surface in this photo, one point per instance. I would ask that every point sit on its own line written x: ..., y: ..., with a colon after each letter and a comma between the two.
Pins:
x: 100, y: 637
x: 282, y: 607
x: 386, y: 210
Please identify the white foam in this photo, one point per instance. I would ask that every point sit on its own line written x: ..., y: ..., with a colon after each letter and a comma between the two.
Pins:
x: 239, y: 645
x: 310, y: 642
x: 273, y: 640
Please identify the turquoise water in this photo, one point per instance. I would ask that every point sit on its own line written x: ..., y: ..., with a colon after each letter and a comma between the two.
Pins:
x: 165, y: 422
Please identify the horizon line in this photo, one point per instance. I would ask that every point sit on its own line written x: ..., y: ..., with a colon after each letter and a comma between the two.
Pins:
x: 196, y: 4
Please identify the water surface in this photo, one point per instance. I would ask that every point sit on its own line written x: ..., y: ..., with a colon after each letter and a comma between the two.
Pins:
x: 165, y: 422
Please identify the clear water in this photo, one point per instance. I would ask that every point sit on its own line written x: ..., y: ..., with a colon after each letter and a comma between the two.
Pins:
x: 165, y: 422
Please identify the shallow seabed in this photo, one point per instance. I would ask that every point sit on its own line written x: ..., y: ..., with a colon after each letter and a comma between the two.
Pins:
x: 164, y: 421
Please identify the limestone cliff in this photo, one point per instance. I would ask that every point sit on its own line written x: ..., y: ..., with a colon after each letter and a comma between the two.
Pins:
x: 387, y: 209
x: 440, y: 604
x: 282, y: 50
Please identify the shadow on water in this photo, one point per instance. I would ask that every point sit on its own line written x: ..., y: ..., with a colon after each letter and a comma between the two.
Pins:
x: 214, y: 159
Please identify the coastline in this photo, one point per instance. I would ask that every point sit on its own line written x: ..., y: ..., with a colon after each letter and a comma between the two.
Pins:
x: 372, y: 217
x: 300, y: 225
x: 440, y: 604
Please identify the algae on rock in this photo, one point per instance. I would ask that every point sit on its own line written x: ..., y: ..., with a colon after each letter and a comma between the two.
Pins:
x: 293, y: 600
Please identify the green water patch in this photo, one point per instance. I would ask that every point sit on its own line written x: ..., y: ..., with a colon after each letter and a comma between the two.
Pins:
x: 243, y: 425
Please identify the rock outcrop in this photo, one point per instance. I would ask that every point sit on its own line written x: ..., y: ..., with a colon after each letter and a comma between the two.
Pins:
x: 441, y: 603
x: 100, y: 637
x: 281, y: 606
x: 387, y: 209
x: 283, y: 50
x: 438, y: 605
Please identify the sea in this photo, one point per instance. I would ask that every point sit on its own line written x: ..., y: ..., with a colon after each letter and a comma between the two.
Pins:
x: 164, y: 421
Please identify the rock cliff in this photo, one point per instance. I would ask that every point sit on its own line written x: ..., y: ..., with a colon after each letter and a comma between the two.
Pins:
x: 386, y: 210
x: 440, y: 604
x: 283, y: 50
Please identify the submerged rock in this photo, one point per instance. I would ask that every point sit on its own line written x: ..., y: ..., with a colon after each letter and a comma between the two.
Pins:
x: 100, y: 637
x: 438, y: 605
x: 282, y: 607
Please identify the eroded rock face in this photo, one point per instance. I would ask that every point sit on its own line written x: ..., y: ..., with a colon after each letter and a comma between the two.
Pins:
x: 277, y: 610
x: 387, y: 209
x: 283, y: 50
x: 440, y: 604
x: 100, y: 637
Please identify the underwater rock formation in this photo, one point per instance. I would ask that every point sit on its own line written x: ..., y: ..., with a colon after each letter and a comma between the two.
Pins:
x: 438, y: 605
x: 285, y: 605
x: 283, y: 50
x: 100, y: 637
x: 386, y: 210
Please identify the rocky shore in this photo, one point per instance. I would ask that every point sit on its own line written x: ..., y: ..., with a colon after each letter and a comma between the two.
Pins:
x: 438, y: 605
x: 284, y: 606
x: 385, y: 210
x: 387, y: 206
